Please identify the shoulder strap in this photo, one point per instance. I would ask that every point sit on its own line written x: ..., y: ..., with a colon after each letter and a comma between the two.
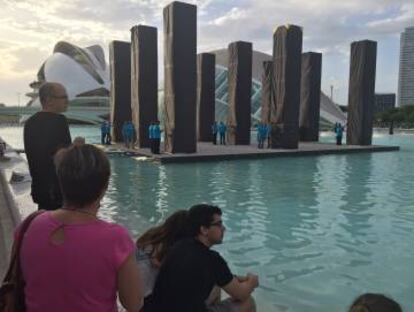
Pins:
x: 17, y: 244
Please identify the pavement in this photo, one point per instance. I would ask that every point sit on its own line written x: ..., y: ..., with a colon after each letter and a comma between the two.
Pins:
x: 206, y: 151
x: 15, y: 200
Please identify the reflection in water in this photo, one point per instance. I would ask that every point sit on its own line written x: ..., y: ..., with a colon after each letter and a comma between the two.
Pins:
x: 162, y: 193
x: 317, y: 230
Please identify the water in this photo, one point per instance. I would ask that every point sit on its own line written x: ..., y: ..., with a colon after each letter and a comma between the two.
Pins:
x: 317, y: 230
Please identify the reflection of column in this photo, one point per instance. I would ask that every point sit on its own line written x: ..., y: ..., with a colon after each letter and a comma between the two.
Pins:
x: 180, y: 78
x: 120, y: 95
x: 239, y: 94
x: 268, y: 92
x: 287, y: 61
x: 361, y: 94
x: 358, y: 203
x: 310, y: 96
x: 161, y: 203
x: 206, y: 65
x: 144, y: 80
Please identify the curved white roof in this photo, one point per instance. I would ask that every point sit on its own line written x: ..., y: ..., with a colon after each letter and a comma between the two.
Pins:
x: 79, y: 70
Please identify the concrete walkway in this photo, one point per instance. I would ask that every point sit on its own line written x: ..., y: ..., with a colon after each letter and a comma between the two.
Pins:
x: 209, y: 152
x: 15, y: 201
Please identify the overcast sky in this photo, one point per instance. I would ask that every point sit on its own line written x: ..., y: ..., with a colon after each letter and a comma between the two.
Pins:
x: 30, y: 28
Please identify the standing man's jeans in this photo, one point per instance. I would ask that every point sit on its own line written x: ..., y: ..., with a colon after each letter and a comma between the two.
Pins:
x: 222, y: 139
x: 156, y: 145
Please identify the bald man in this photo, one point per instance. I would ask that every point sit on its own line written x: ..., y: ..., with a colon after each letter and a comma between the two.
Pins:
x: 44, y: 134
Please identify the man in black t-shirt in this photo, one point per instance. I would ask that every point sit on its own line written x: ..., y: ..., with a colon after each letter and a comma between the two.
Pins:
x: 44, y: 133
x: 191, y: 270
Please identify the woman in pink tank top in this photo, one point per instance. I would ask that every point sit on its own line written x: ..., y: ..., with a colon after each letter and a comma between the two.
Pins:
x: 71, y: 260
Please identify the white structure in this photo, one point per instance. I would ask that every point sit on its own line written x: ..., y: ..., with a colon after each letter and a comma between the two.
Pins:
x: 330, y: 112
x: 406, y: 74
x: 83, y: 72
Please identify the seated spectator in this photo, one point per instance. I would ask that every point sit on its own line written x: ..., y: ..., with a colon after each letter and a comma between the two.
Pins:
x: 374, y: 303
x: 155, y: 244
x: 191, y: 270
x: 71, y: 260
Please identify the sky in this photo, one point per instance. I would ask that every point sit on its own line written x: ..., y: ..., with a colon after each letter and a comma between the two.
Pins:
x: 29, y: 30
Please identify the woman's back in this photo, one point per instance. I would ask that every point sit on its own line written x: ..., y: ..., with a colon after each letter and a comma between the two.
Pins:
x: 73, y: 267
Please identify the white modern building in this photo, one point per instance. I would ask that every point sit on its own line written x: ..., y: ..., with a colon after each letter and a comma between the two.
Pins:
x: 330, y: 113
x: 406, y: 74
x: 85, y: 75
x: 83, y: 71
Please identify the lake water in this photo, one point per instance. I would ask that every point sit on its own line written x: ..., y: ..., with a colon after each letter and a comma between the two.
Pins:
x: 317, y: 230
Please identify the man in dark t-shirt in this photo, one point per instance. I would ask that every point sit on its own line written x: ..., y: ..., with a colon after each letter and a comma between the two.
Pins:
x: 44, y: 134
x: 192, y: 270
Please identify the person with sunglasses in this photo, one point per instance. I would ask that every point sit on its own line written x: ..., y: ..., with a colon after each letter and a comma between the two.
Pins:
x: 45, y: 133
x: 191, y: 271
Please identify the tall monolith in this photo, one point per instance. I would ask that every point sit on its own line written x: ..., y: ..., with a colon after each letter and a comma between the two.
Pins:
x: 268, y: 92
x: 287, y: 70
x: 239, y: 92
x: 361, y: 94
x: 180, y: 78
x: 120, y: 95
x: 310, y: 97
x: 206, y: 69
x: 144, y: 81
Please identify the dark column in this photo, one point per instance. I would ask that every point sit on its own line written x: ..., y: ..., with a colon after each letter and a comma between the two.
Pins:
x: 268, y: 92
x: 287, y: 62
x: 120, y: 95
x: 206, y: 74
x: 180, y: 90
x: 310, y: 96
x: 361, y: 94
x: 144, y: 80
x: 240, y: 89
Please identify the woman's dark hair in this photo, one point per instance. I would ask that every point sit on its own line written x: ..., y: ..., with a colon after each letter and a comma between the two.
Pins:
x: 201, y: 215
x: 374, y: 303
x: 83, y: 172
x: 161, y: 238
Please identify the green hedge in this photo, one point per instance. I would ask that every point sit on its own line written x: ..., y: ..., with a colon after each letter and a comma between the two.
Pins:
x: 400, y: 116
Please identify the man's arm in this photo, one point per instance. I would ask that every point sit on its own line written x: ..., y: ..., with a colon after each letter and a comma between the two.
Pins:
x: 65, y: 138
x: 240, y: 288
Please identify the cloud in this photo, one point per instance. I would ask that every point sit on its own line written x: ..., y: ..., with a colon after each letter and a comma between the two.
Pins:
x: 30, y: 28
x: 235, y: 14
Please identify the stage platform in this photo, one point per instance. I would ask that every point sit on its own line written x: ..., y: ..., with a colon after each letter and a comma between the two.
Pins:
x: 210, y: 152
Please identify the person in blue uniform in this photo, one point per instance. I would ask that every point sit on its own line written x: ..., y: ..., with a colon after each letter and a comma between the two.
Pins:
x: 260, y: 135
x: 108, y: 137
x: 222, y: 128
x: 124, y: 133
x: 269, y: 135
x: 156, y: 132
x: 214, y: 130
x: 151, y: 136
x: 339, y: 130
x: 104, y: 130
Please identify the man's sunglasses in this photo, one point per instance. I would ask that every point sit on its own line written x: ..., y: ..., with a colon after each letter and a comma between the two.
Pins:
x: 217, y: 223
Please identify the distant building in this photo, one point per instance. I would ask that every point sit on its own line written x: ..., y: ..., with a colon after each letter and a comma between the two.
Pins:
x: 406, y: 74
x: 330, y: 112
x: 383, y: 102
x: 85, y: 75
x: 83, y: 72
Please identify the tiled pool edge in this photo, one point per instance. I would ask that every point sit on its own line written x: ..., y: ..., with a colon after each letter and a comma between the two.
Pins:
x: 15, y: 202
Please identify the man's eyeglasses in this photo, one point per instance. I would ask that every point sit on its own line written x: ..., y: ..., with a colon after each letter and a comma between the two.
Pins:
x: 63, y: 97
x: 217, y: 223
